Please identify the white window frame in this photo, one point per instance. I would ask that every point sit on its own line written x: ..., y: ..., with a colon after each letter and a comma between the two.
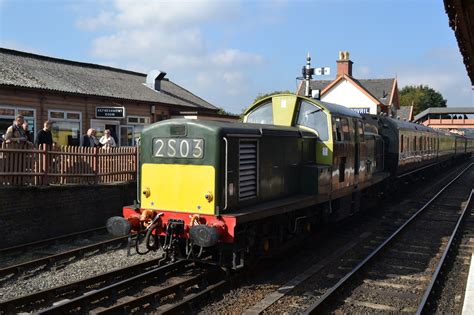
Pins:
x: 147, y: 120
x: 66, y: 119
x: 16, y: 108
x: 133, y: 132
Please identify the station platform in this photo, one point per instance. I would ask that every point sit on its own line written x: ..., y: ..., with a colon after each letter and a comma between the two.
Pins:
x: 468, y: 305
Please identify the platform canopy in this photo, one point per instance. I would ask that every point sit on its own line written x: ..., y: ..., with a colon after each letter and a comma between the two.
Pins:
x: 461, y: 20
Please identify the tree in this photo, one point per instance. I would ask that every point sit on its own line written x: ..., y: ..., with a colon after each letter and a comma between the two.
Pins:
x: 222, y: 111
x: 260, y: 96
x: 421, y: 97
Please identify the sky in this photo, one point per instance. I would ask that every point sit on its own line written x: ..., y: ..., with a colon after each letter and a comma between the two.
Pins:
x: 230, y: 51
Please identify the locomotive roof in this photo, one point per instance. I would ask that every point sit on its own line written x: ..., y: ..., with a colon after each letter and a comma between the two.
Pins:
x: 332, y: 108
x: 337, y: 109
x: 401, y: 124
x: 231, y: 127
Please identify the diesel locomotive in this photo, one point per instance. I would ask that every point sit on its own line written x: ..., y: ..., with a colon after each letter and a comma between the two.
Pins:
x: 228, y: 191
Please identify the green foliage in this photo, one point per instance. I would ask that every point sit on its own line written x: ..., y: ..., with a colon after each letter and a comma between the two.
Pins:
x: 222, y: 111
x: 421, y: 97
x: 260, y: 96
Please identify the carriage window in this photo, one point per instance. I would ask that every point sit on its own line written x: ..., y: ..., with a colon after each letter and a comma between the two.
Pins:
x: 345, y: 129
x: 414, y: 144
x: 262, y: 114
x: 313, y: 117
x: 336, y: 123
x: 360, y: 125
x: 401, y: 143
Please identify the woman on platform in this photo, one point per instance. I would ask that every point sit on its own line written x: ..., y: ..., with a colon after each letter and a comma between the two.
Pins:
x: 107, y: 140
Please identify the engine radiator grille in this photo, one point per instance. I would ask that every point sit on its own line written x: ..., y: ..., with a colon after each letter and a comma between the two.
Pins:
x: 248, y: 169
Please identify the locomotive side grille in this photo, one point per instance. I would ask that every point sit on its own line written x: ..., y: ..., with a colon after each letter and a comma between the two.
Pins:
x: 248, y: 176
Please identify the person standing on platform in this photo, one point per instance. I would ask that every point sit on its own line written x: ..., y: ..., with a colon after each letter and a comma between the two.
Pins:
x: 15, y: 132
x: 90, y: 140
x: 45, y: 136
x: 107, y: 140
x: 28, y: 134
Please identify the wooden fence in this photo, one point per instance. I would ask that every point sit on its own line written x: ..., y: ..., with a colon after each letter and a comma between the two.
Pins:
x: 27, y: 165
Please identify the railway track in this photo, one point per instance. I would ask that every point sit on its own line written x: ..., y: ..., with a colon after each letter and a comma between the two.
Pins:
x: 166, y: 288
x: 50, y: 241
x: 58, y: 260
x: 46, y: 298
x: 400, y: 274
x: 318, y: 263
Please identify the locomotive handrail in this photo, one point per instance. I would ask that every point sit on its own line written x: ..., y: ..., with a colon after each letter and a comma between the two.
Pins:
x: 225, y: 172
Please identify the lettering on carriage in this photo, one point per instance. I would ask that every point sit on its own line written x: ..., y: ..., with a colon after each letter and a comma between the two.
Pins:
x: 179, y: 148
x: 361, y: 110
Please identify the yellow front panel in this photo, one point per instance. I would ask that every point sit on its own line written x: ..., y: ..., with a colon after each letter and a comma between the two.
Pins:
x: 283, y: 109
x: 175, y: 187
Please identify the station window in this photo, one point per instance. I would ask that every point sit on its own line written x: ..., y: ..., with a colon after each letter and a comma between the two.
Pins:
x: 66, y: 127
x: 8, y: 114
x: 313, y: 117
x: 136, y: 123
x: 262, y: 114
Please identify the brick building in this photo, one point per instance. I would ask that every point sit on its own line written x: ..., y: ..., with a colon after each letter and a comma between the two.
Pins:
x: 77, y: 96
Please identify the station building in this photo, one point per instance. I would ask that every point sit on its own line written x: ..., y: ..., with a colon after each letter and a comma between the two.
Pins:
x: 77, y: 96
x: 365, y: 96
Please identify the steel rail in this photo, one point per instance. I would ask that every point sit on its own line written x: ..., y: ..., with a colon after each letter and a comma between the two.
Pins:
x: 48, y: 240
x: 84, y: 302
x: 428, y: 295
x: 184, y: 306
x: 155, y: 295
x: 47, y: 296
x: 49, y: 261
x: 317, y: 306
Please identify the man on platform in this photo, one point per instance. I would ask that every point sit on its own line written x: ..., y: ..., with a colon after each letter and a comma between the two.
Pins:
x: 44, y: 135
x: 90, y: 140
x: 15, y: 132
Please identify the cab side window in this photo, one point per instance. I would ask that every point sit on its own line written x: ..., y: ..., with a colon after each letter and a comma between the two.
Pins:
x: 262, y: 114
x: 313, y: 117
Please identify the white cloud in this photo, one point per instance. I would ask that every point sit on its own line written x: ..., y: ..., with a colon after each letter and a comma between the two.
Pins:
x: 179, y: 37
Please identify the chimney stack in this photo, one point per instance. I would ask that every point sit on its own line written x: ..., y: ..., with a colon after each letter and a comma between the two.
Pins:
x: 153, y: 79
x: 344, y: 65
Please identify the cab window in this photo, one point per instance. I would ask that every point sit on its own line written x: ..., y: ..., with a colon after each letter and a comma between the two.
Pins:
x: 262, y: 114
x: 313, y: 117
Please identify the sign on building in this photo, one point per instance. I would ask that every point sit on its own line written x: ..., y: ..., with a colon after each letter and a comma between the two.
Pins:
x: 361, y: 110
x: 110, y: 112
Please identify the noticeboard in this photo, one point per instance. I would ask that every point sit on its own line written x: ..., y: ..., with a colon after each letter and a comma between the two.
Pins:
x: 110, y: 112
